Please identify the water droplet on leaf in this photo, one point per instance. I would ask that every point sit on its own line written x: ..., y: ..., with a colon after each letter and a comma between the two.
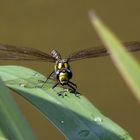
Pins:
x: 84, y: 133
x: 22, y: 85
x: 98, y: 119
x: 62, y: 122
x: 35, y: 74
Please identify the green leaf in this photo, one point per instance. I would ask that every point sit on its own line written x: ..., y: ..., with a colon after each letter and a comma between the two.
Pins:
x: 74, y: 116
x: 2, y: 136
x: 12, y: 123
x: 123, y: 60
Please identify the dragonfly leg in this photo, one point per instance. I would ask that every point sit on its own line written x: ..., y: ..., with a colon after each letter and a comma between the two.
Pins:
x: 73, y: 87
x: 56, y: 85
x: 73, y: 84
x: 47, y: 79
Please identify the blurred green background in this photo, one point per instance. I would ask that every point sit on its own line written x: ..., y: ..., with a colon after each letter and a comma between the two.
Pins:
x: 64, y: 25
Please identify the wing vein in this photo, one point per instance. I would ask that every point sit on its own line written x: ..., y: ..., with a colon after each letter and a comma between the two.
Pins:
x: 100, y: 51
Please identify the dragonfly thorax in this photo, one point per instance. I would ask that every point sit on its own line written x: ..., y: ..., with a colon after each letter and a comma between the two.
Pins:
x: 61, y: 64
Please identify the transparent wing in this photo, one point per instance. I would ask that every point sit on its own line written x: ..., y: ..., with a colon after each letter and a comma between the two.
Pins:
x: 9, y: 52
x: 100, y: 51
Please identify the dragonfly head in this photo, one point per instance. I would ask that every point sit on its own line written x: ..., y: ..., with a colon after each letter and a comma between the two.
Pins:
x: 64, y: 75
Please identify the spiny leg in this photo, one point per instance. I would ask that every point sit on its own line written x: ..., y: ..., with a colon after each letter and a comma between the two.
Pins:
x: 56, y: 85
x: 60, y: 93
x: 74, y: 89
x: 73, y: 84
x: 70, y: 84
x: 47, y: 78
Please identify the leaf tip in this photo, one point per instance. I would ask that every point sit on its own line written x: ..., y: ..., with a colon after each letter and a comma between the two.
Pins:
x: 92, y: 15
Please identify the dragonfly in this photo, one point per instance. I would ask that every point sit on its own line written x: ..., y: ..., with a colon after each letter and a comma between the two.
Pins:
x: 62, y: 70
